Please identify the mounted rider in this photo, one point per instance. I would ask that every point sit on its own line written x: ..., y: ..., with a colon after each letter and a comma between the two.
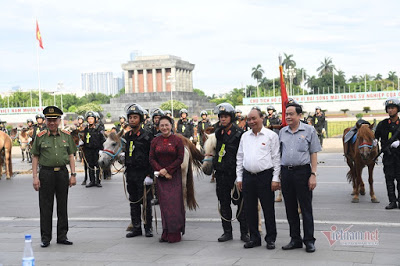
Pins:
x: 184, y: 126
x: 228, y: 138
x: 39, y: 126
x: 155, y: 119
x: 122, y: 123
x: 202, y: 125
x: 272, y: 119
x: 387, y: 132
x: 138, y: 171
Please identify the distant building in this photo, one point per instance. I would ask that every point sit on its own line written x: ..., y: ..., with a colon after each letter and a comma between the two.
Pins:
x: 101, y: 82
x: 151, y: 74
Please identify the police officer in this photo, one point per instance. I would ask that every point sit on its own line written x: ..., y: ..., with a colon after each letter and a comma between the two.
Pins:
x: 98, y: 122
x: 81, y: 126
x: 122, y: 122
x: 385, y: 132
x: 3, y: 126
x: 93, y: 143
x: 138, y: 171
x: 228, y: 138
x: 155, y: 118
x: 319, y: 123
x: 271, y: 119
x: 203, y: 124
x: 39, y: 126
x: 184, y: 126
x: 29, y: 122
x: 52, y: 150
x: 169, y: 113
x: 299, y: 146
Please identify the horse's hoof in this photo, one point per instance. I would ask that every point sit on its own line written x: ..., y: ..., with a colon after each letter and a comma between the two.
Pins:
x: 83, y: 183
x: 355, y: 200
x: 352, y: 193
x: 375, y: 200
x: 362, y: 193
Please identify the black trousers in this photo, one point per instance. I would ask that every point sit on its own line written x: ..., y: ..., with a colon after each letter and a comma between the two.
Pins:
x: 224, y: 184
x: 92, y: 158
x: 134, y: 180
x: 258, y: 187
x: 295, y: 189
x: 391, y: 169
x: 53, y: 183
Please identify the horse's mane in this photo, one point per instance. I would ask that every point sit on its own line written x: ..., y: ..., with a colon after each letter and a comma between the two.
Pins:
x: 210, y: 144
x: 113, y: 136
x: 209, y: 130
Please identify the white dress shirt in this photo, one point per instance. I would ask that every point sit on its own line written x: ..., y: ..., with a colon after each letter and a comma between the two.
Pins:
x: 257, y: 153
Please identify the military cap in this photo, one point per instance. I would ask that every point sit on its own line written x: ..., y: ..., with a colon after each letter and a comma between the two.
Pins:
x: 52, y: 112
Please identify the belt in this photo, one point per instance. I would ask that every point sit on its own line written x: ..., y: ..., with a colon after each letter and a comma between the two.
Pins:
x: 259, y: 173
x: 55, y: 169
x: 295, y: 167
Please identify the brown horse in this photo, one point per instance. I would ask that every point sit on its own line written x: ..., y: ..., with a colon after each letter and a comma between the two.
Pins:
x: 359, y: 154
x: 6, y: 148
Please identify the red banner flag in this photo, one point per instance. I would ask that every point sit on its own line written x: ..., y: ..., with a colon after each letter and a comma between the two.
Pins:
x: 284, y: 95
x: 38, y: 36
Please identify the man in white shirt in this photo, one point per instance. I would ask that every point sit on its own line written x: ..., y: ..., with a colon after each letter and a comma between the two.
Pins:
x: 257, y: 171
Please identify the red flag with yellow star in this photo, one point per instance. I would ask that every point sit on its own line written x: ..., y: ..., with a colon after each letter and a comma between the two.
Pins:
x: 283, y: 92
x: 38, y: 36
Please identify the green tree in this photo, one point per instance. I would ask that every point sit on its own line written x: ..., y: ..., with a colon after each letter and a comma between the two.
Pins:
x: 177, y: 105
x: 72, y: 109
x: 326, y: 67
x: 341, y: 74
x: 235, y: 96
x: 257, y: 74
x: 81, y: 110
x: 353, y: 79
x: 288, y: 61
x: 392, y: 76
x: 221, y: 100
x: 199, y: 92
x: 378, y: 77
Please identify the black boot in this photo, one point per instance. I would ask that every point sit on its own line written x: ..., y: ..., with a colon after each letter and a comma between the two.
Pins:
x: 92, y: 178
x: 148, y: 232
x: 226, y: 236
x: 137, y: 231
x: 98, y: 184
x: 391, y: 205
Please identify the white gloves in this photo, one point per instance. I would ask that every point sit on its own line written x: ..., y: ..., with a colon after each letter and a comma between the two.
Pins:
x: 81, y: 142
x: 156, y: 173
x: 375, y: 142
x: 121, y: 158
x: 323, y: 131
x: 395, y: 144
x: 100, y: 152
x: 191, y: 138
x: 148, y: 181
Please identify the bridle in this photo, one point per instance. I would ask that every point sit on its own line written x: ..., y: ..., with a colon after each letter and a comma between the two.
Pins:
x: 365, y: 144
x: 208, y: 159
x: 113, y: 154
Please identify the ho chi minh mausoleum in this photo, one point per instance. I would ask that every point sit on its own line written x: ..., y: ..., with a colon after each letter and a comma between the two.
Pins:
x: 150, y: 80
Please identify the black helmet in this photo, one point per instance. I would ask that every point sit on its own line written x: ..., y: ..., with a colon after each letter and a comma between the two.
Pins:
x: 292, y: 101
x: 122, y: 116
x: 237, y: 110
x: 157, y: 112
x: 135, y: 109
x: 183, y: 110
x: 270, y: 107
x: 203, y: 112
x: 167, y: 112
x: 80, y: 117
x: 39, y: 116
x: 90, y: 114
x: 317, y: 108
x: 227, y: 109
x: 392, y: 101
x: 29, y: 120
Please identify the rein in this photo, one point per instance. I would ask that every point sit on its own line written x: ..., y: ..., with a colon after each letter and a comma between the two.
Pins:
x: 113, y: 154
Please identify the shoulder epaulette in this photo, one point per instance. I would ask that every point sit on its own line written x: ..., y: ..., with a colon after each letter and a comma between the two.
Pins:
x: 66, y: 131
x: 41, y: 133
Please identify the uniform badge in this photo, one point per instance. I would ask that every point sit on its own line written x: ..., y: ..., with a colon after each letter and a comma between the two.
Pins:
x: 51, y: 110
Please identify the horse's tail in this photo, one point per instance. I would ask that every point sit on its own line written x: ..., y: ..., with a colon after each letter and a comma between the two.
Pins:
x: 197, y: 157
x: 190, y: 197
x: 349, y: 176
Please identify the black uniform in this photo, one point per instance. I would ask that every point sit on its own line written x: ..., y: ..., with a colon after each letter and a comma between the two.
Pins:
x: 319, y: 124
x: 119, y: 127
x: 36, y: 129
x: 185, y: 127
x: 201, y: 126
x: 391, y: 157
x: 137, y: 164
x: 224, y: 163
x: 93, y: 143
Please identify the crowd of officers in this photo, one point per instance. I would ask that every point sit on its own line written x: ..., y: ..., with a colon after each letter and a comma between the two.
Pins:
x: 288, y: 155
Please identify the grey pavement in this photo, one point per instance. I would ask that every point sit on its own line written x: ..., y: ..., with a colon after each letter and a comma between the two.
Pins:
x: 99, y: 217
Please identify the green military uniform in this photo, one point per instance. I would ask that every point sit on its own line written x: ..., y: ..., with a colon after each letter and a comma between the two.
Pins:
x: 53, y: 152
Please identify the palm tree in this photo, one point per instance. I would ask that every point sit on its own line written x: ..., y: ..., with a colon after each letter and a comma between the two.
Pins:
x: 392, y: 76
x: 301, y: 76
x: 310, y: 81
x: 288, y: 61
x: 341, y: 74
x: 353, y: 79
x: 326, y: 67
x: 257, y: 74
x: 378, y: 77
x: 264, y: 82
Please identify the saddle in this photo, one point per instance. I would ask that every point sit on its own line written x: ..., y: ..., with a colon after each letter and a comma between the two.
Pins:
x: 352, y: 134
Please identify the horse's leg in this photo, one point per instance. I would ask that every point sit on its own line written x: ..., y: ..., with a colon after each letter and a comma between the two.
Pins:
x: 371, y: 183
x: 23, y: 154
x: 7, y: 163
x: 356, y: 185
x: 362, y: 185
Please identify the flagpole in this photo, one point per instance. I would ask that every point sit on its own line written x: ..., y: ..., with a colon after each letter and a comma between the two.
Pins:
x: 38, y: 68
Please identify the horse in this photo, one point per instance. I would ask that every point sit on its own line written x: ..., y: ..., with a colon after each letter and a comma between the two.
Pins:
x: 359, y: 154
x: 113, y: 147
x: 6, y: 151
x: 24, y: 139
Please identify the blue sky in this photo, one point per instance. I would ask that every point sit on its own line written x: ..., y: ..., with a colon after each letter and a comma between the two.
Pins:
x: 224, y: 39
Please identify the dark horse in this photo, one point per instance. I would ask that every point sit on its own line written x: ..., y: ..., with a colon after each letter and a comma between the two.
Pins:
x: 359, y: 154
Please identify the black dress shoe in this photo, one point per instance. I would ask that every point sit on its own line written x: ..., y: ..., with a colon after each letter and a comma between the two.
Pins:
x: 292, y: 245
x: 98, y: 185
x: 91, y: 184
x: 392, y: 205
x: 148, y: 232
x: 310, y: 247
x: 45, y: 244
x: 252, y: 244
x: 270, y: 245
x: 64, y: 242
x: 162, y: 240
x: 225, y: 237
x: 245, y: 237
x: 134, y: 233
x: 83, y: 183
